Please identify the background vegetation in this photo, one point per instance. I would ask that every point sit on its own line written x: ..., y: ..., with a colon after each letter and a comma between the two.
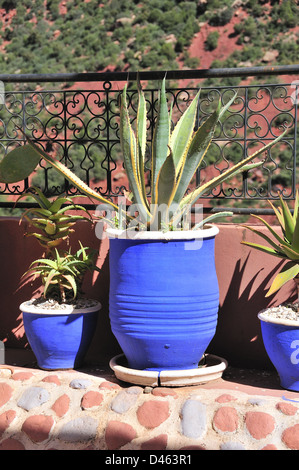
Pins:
x: 38, y: 36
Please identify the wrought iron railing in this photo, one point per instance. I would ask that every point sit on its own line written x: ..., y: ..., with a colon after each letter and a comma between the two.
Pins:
x: 79, y: 124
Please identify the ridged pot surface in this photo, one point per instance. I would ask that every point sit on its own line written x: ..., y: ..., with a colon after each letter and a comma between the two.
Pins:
x: 163, y: 299
x: 59, y: 341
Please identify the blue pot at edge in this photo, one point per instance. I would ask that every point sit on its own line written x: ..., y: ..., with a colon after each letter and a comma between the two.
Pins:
x: 164, y: 297
x: 281, y: 341
x: 61, y: 340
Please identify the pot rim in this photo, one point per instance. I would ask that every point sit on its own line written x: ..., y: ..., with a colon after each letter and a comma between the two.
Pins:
x: 67, y: 310
x: 278, y: 321
x: 210, y: 231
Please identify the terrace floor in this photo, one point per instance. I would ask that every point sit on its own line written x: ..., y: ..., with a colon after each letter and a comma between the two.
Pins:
x: 90, y: 409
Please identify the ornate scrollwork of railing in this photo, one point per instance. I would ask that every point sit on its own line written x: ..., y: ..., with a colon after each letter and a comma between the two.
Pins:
x: 81, y: 128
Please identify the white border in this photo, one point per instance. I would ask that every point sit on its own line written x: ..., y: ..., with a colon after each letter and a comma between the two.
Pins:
x: 28, y: 308
x: 210, y: 231
x: 278, y: 321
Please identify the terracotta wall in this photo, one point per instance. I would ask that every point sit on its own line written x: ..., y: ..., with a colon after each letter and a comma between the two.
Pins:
x: 244, y: 276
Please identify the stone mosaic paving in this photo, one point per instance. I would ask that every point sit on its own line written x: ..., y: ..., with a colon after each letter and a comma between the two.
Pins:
x: 68, y: 410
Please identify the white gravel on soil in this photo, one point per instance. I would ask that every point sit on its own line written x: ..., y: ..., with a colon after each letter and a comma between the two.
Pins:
x: 51, y: 304
x: 283, y: 312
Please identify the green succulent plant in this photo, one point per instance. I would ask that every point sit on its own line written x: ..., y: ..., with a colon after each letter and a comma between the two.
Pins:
x: 176, y: 155
x: 285, y: 246
x: 61, y: 272
x: 62, y: 276
x: 51, y: 218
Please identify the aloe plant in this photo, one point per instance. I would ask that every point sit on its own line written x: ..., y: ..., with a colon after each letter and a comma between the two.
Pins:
x: 62, y: 275
x: 285, y: 246
x: 176, y: 155
x: 61, y: 272
x: 51, y: 218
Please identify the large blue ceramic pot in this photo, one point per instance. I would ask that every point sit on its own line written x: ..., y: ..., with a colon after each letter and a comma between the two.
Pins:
x: 61, y: 339
x: 164, y: 296
x: 281, y: 341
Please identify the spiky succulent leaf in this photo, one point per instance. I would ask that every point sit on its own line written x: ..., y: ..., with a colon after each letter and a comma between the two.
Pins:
x: 211, y: 218
x: 141, y: 139
x: 288, y: 272
x: 286, y: 248
x: 264, y: 249
x: 160, y: 141
x: 181, y: 135
x: 197, y: 147
x: 289, y: 225
x: 271, y: 230
x: 131, y: 159
x: 194, y: 155
x: 295, y: 239
x: 166, y: 181
x: 290, y: 253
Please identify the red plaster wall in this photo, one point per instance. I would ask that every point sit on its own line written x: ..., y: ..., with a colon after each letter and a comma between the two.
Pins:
x: 244, y: 276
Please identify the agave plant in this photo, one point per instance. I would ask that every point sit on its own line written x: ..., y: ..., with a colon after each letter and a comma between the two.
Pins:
x: 176, y: 155
x: 51, y: 218
x: 62, y: 275
x: 285, y: 246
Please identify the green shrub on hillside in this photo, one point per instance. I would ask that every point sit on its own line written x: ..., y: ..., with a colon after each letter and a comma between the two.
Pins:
x: 212, y: 41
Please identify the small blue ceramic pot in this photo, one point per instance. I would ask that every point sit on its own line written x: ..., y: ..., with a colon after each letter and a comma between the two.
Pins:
x: 281, y: 341
x: 59, y: 340
x: 164, y: 296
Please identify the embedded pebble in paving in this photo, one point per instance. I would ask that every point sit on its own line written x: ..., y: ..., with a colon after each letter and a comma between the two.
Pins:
x: 152, y: 413
x: 156, y: 443
x: 52, y: 379
x: 291, y: 437
x: 80, y: 383
x: 33, y: 397
x: 5, y: 393
x: 125, y: 400
x: 135, y: 390
x: 269, y: 447
x: 226, y: 419
x: 91, y: 399
x: 194, y: 419
x: 118, y: 434
x: 259, y: 424
x: 22, y: 376
x: 164, y: 392
x: 232, y: 446
x: 79, y: 429
x: 287, y: 408
x: 38, y: 427
x: 256, y: 401
x: 225, y: 398
x: 61, y: 405
x: 109, y: 386
x: 5, y: 420
x: 11, y: 444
